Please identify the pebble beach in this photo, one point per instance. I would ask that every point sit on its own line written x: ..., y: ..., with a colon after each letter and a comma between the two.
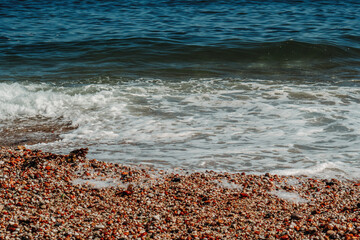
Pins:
x: 179, y: 120
x: 51, y: 196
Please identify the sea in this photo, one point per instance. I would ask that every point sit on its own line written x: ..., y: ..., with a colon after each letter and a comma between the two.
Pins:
x: 195, y: 85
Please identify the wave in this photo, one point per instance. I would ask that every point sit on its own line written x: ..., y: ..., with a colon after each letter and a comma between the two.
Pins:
x: 149, y: 57
x: 224, y: 124
x: 112, y: 49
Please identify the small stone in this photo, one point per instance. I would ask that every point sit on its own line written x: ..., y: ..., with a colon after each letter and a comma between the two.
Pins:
x: 99, y: 226
x: 130, y: 188
x: 330, y: 183
x: 11, y: 227
x: 176, y: 179
x: 296, y: 216
x: 329, y: 227
x: 57, y: 224
x: 268, y: 215
x: 313, y: 212
x: 292, y: 225
x: 244, y: 195
x: 79, y: 152
x: 330, y: 232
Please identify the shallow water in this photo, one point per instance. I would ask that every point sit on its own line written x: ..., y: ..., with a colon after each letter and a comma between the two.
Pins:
x: 232, y: 124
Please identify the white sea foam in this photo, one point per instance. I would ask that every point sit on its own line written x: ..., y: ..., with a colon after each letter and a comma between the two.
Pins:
x: 289, y: 196
x: 231, y: 125
x: 326, y: 169
x: 224, y: 183
x: 95, y: 183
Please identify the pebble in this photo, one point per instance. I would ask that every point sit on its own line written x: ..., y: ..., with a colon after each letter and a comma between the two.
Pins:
x: 296, y: 216
x: 42, y: 201
x: 99, y: 227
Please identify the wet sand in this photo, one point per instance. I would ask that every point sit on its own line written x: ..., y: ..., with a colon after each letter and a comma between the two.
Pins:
x: 49, y: 196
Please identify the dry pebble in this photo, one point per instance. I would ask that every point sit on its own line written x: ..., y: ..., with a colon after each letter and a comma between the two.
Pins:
x: 50, y: 196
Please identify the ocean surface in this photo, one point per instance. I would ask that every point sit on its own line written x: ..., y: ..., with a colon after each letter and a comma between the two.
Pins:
x: 250, y: 86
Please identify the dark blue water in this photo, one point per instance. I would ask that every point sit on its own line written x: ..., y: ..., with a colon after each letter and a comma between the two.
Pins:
x: 82, y: 40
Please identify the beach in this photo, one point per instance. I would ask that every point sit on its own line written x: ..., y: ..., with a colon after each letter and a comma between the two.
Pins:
x: 179, y: 119
x: 51, y: 196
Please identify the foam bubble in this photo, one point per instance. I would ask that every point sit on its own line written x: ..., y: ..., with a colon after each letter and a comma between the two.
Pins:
x: 224, y: 183
x: 231, y: 125
x: 95, y: 183
x: 325, y: 169
x: 289, y: 196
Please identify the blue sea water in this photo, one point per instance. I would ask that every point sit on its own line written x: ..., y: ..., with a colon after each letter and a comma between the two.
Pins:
x: 256, y: 86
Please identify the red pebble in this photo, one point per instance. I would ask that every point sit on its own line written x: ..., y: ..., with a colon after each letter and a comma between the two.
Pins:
x: 244, y: 195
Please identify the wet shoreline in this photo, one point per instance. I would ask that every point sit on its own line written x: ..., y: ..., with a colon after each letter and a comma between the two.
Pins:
x: 33, y: 131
